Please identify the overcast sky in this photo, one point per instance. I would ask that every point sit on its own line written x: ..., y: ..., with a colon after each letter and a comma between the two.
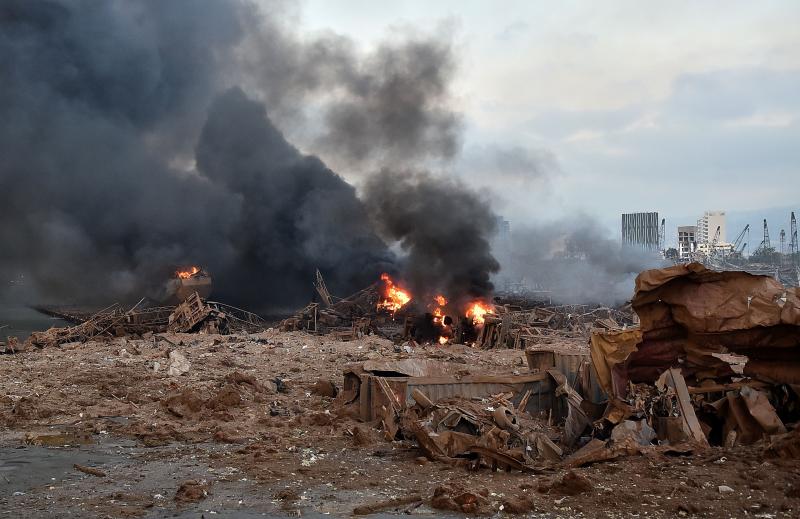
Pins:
x: 608, y: 107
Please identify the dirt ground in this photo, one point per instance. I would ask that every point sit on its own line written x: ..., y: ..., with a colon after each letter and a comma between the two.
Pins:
x: 93, y: 430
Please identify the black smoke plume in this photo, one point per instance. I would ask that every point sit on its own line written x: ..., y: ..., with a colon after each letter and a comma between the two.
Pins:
x: 295, y: 214
x: 134, y: 138
x: 443, y: 228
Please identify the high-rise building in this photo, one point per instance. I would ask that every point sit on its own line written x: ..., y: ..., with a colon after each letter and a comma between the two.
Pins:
x: 707, y: 227
x: 640, y: 230
x: 501, y: 243
x: 687, y: 241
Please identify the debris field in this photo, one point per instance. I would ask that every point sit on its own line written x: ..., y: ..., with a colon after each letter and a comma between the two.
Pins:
x: 687, y: 408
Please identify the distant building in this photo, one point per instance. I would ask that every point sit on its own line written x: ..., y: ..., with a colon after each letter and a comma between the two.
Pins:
x: 707, y: 227
x: 640, y: 230
x: 501, y: 243
x: 503, y: 228
x: 687, y: 241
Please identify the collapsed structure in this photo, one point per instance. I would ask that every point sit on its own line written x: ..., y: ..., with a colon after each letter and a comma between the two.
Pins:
x: 713, y: 361
x: 194, y: 314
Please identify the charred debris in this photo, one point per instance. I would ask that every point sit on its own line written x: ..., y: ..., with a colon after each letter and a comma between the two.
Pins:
x: 698, y: 358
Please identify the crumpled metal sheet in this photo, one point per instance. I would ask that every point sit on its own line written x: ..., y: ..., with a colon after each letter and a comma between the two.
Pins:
x: 688, y: 312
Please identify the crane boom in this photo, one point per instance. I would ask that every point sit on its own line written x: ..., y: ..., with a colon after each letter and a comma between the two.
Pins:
x: 739, y: 238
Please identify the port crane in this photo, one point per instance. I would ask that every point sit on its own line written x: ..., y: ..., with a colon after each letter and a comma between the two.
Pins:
x: 739, y: 244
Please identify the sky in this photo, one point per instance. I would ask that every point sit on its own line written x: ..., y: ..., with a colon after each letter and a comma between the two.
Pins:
x: 600, y: 108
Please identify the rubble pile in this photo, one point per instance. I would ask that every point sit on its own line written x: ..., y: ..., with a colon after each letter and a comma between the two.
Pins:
x: 194, y: 315
x: 345, y: 319
x: 515, y: 327
x: 501, y: 326
x: 694, y: 373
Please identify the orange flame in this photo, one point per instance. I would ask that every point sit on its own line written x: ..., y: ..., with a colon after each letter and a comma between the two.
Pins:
x: 477, y: 310
x: 440, y: 300
x: 186, y: 274
x: 443, y: 340
x: 394, y: 297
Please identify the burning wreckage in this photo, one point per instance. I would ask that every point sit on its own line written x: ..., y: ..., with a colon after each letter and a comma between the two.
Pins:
x: 712, y: 359
x: 700, y: 358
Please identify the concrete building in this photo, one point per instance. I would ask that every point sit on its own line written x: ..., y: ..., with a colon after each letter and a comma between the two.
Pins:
x: 687, y: 241
x: 640, y: 230
x: 707, y: 227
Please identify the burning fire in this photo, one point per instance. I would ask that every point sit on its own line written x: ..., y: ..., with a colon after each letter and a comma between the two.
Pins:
x: 394, y: 297
x: 438, y: 301
x: 186, y: 274
x: 477, y: 310
x: 438, y: 315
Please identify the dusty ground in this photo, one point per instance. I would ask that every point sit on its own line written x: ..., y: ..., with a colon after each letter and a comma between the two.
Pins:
x: 227, y: 438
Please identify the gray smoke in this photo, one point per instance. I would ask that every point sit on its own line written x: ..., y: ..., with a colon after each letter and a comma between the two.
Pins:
x: 444, y: 229
x: 126, y: 148
x: 575, y: 259
x: 397, y: 110
x: 389, y: 105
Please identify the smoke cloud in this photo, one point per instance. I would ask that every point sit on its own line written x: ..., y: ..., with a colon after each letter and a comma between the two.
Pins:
x: 137, y: 137
x: 443, y: 227
x: 140, y: 137
x: 575, y: 259
x: 296, y: 214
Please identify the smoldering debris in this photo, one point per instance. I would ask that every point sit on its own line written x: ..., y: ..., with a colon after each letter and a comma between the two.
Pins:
x: 666, y: 386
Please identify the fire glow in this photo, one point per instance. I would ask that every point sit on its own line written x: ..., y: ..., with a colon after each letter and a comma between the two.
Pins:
x: 477, y: 310
x: 438, y: 315
x: 394, y: 297
x: 186, y: 274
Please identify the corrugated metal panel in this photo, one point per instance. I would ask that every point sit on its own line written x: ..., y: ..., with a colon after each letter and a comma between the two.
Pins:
x: 569, y: 364
x: 372, y: 397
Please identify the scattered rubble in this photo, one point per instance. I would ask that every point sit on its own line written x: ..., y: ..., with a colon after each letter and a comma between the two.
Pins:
x: 193, y: 315
x: 620, y: 420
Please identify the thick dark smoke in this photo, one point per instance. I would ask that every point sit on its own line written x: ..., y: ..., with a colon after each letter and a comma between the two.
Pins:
x: 575, y: 259
x: 443, y: 227
x: 397, y: 109
x: 126, y: 148
x: 296, y: 214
